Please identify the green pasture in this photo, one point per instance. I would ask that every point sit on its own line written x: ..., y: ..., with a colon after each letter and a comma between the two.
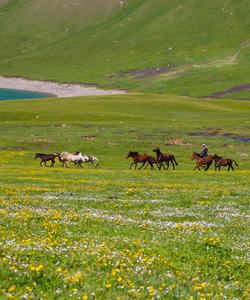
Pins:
x: 114, y: 233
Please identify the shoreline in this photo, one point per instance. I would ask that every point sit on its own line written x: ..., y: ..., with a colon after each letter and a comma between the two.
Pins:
x: 56, y: 89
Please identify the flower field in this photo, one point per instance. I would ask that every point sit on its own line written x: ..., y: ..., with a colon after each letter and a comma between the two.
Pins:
x: 114, y: 233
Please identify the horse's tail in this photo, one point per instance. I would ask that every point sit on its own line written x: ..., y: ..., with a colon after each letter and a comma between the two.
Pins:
x: 236, y: 163
x: 36, y: 156
x: 174, y: 160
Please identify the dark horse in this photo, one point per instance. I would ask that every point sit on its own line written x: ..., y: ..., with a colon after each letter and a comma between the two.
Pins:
x: 47, y: 157
x: 223, y: 162
x: 165, y: 158
x: 138, y: 158
x: 202, y: 161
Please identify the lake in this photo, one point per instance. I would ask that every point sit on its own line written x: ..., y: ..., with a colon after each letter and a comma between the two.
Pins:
x: 10, y: 94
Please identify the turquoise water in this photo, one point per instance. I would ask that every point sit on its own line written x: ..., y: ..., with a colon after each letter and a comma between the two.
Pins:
x: 10, y: 94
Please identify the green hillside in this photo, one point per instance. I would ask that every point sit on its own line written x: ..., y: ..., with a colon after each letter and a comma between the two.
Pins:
x: 191, y: 47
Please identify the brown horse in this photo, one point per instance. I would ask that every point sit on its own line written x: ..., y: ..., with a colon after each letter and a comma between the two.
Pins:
x: 202, y: 161
x: 165, y: 158
x: 224, y: 162
x: 138, y: 158
x: 47, y: 157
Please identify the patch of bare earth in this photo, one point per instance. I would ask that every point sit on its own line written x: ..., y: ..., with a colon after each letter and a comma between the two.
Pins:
x: 146, y: 73
x: 89, y: 137
x: 235, y: 89
x: 176, y: 141
x: 2, y: 2
x: 226, y: 135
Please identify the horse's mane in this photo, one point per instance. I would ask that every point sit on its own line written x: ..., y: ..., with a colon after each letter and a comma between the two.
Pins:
x: 217, y: 156
x: 133, y: 152
x: 159, y: 150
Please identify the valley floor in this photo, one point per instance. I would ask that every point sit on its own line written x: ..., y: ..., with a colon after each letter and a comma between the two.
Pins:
x: 114, y: 233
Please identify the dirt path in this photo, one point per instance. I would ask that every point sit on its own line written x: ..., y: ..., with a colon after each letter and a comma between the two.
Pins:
x: 235, y: 89
x: 59, y: 90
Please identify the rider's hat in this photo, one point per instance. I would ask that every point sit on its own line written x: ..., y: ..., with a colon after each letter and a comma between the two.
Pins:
x: 204, y: 145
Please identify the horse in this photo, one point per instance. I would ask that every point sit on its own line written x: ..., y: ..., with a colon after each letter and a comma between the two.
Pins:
x: 138, y: 158
x: 165, y: 158
x: 47, y: 157
x: 66, y: 158
x: 202, y: 161
x: 223, y: 162
x: 88, y: 159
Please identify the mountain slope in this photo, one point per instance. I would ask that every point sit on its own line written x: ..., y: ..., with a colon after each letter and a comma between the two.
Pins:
x: 186, y: 47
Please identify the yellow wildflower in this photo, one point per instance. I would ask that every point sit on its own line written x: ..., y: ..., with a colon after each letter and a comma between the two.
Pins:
x: 12, y: 288
x: 108, y: 285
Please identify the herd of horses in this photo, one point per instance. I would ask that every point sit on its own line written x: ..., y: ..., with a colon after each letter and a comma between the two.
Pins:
x: 65, y: 158
x: 161, y: 160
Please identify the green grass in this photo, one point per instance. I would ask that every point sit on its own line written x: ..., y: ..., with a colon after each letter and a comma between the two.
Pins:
x: 95, y: 41
x: 114, y: 233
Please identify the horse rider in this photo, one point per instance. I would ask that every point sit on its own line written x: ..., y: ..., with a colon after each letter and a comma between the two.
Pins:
x: 204, y: 152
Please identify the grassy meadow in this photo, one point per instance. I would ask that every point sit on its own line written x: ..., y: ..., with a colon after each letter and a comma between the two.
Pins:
x: 114, y: 233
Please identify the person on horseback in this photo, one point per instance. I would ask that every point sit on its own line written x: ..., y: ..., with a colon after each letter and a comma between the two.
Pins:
x: 204, y: 152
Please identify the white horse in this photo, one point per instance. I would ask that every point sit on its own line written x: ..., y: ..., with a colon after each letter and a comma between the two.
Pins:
x: 66, y: 158
x: 90, y: 159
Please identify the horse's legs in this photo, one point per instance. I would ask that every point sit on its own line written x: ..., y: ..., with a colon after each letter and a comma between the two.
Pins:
x: 208, y: 166
x: 172, y: 164
x: 196, y: 167
x: 65, y: 164
x: 78, y: 164
x: 175, y: 161
x: 131, y: 165
x: 41, y: 163
x: 167, y: 163
x: 148, y: 164
x: 199, y: 166
x: 142, y: 165
x: 161, y: 165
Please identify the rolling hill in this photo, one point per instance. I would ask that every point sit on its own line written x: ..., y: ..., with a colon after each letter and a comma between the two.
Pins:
x: 180, y: 47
